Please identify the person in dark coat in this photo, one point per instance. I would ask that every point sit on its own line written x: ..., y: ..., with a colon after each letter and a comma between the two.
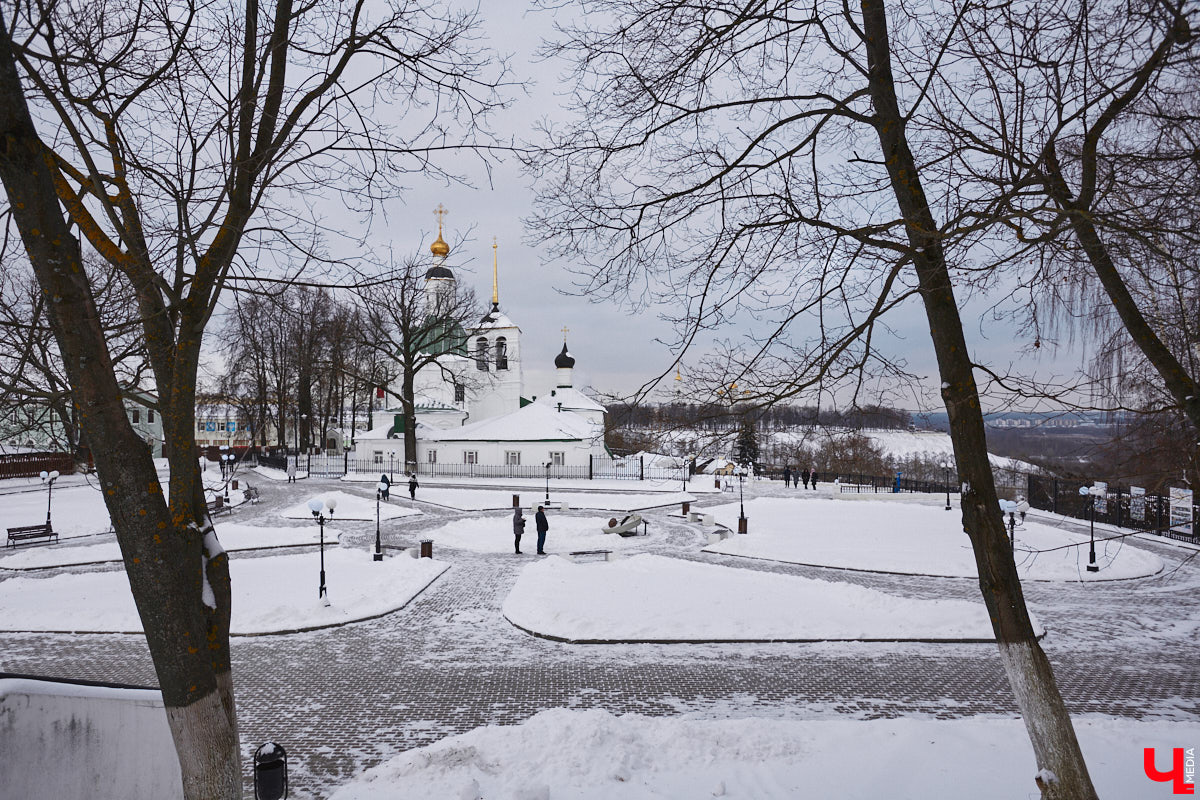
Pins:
x: 387, y: 487
x: 412, y: 486
x: 542, y: 526
x: 787, y: 476
x: 805, y: 475
x: 812, y: 477
x: 518, y: 528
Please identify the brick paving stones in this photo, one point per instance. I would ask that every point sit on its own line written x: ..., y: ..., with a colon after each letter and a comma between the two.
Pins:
x: 346, y: 698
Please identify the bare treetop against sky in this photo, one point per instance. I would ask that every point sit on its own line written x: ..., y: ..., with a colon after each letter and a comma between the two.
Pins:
x: 617, y: 351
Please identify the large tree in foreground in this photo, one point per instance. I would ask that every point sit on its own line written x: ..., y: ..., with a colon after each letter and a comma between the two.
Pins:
x: 770, y: 160
x: 180, y: 141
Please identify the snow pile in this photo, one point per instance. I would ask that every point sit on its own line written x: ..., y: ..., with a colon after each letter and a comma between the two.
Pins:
x: 652, y: 598
x: 883, y: 536
x: 351, y: 506
x: 270, y: 595
x: 593, y: 755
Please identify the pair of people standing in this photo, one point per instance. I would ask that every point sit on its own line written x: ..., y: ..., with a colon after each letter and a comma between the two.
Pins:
x: 540, y: 522
x: 809, y: 476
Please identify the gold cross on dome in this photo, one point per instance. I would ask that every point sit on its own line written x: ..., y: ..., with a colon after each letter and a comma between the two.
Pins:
x: 440, y: 212
x: 565, y: 331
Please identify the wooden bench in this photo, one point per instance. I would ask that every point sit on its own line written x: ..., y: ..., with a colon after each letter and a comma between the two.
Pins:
x: 218, y: 506
x: 606, y: 554
x: 31, y: 532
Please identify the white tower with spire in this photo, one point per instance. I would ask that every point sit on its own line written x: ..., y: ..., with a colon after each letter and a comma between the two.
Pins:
x: 494, y: 347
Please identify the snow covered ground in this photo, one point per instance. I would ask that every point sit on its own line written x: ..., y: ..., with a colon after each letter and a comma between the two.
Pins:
x: 652, y: 598
x: 489, y: 499
x: 914, y: 539
x: 270, y: 594
x: 593, y: 755
x: 350, y: 506
x: 78, y: 509
x: 233, y: 537
x: 493, y: 534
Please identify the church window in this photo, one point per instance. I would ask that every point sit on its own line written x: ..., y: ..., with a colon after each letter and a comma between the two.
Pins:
x: 558, y: 459
x: 378, y: 454
x: 431, y: 456
x: 470, y: 456
x: 150, y: 415
x: 135, y: 416
x: 501, y: 354
x: 481, y: 354
x: 512, y: 458
x: 460, y: 393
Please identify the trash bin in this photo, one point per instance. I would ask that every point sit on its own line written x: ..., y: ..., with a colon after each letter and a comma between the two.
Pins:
x: 270, y: 772
x: 427, y: 548
x: 235, y: 484
x: 686, y: 507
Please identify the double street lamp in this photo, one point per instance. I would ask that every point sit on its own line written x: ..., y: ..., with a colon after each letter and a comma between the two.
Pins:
x: 317, y: 506
x: 946, y: 477
x: 742, y: 522
x: 49, y: 478
x: 548, y: 463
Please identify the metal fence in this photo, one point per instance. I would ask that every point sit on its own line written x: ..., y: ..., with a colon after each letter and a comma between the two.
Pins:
x: 858, y: 484
x: 30, y: 465
x: 1151, y: 512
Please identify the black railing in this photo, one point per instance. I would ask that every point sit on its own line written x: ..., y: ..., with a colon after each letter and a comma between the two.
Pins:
x: 857, y: 483
x: 1150, y: 512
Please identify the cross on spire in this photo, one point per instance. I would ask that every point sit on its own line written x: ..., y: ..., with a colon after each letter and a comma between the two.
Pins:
x: 565, y: 331
x: 440, y: 212
x: 495, y: 277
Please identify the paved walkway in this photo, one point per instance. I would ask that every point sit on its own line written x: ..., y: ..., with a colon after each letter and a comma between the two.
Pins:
x: 345, y: 698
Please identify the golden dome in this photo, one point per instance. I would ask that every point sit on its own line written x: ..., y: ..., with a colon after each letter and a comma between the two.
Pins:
x: 439, y: 247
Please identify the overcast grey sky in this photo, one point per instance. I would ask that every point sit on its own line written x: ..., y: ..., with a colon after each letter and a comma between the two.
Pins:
x: 615, y: 352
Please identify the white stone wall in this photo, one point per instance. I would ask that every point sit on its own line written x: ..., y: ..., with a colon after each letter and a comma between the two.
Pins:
x: 69, y: 742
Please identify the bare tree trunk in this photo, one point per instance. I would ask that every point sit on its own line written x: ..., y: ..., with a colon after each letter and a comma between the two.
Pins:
x: 163, y: 550
x: 1029, y: 671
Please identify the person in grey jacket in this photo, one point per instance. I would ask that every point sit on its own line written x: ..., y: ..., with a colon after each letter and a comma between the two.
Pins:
x: 518, y: 528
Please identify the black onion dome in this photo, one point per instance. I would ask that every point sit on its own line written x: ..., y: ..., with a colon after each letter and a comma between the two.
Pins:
x: 563, y: 360
x: 438, y: 272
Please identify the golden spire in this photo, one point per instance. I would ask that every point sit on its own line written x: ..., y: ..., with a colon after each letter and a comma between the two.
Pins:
x: 439, y: 247
x: 495, y: 276
x: 678, y: 377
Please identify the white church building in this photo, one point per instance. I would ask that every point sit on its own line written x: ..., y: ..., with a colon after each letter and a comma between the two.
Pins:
x: 473, y: 412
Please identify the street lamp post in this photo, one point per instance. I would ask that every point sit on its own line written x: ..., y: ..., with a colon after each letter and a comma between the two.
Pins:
x: 548, y: 463
x: 742, y: 522
x: 946, y: 474
x: 49, y: 478
x: 380, y: 488
x: 1092, y: 566
x: 317, y: 505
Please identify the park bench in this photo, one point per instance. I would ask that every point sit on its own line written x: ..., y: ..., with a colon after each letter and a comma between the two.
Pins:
x: 30, y: 532
x: 605, y: 554
x: 217, y: 506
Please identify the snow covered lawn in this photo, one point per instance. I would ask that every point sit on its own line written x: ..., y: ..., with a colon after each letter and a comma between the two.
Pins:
x: 351, y: 506
x: 279, y: 474
x: 233, y: 537
x: 593, y: 755
x: 488, y: 499
x: 882, y: 536
x: 653, y: 598
x: 494, y: 534
x: 270, y: 594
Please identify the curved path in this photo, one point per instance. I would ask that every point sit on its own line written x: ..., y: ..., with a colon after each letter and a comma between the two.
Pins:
x: 345, y: 698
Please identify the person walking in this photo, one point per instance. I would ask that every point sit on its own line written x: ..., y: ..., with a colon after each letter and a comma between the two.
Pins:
x: 291, y: 469
x: 518, y: 528
x: 387, y: 487
x: 412, y: 486
x: 787, y: 476
x: 805, y: 475
x: 543, y: 525
x: 812, y: 477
